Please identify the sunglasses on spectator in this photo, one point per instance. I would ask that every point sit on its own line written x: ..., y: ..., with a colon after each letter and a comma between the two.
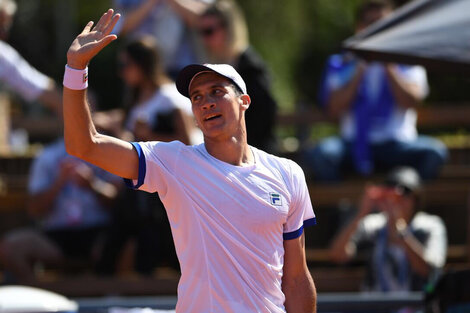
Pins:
x: 401, y: 190
x: 209, y: 31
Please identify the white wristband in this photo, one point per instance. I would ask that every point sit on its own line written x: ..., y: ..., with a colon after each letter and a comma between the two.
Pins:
x: 75, y: 79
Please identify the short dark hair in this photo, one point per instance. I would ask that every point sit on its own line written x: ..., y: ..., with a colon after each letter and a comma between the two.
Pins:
x: 144, y: 52
x: 372, y: 5
x: 236, y: 89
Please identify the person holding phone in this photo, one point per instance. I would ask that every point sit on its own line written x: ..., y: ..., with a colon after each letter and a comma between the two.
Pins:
x: 408, y: 247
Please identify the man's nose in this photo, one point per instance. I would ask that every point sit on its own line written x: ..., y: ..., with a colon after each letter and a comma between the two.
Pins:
x: 209, y: 103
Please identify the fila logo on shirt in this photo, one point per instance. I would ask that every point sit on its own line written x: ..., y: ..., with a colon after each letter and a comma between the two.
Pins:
x: 275, y: 199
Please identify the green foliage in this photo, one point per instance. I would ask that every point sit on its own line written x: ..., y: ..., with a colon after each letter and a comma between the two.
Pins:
x: 294, y: 37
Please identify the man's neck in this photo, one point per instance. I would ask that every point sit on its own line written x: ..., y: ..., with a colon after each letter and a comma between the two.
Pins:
x: 233, y: 151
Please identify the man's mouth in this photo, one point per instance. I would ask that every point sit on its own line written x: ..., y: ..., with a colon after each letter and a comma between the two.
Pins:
x: 211, y: 117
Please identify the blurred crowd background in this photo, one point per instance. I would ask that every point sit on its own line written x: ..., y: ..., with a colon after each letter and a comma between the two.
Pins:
x: 293, y: 37
x: 294, y: 40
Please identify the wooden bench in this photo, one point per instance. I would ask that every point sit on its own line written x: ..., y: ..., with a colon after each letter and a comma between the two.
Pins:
x: 430, y: 117
x: 440, y: 192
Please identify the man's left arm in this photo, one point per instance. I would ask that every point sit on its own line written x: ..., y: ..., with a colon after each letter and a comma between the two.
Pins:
x: 297, y: 283
x: 408, y: 94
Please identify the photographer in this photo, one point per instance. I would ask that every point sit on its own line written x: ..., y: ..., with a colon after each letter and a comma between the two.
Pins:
x: 408, y: 248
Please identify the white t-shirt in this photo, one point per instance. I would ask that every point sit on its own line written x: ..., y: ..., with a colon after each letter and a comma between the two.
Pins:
x: 402, y: 123
x: 18, y: 75
x: 228, y: 223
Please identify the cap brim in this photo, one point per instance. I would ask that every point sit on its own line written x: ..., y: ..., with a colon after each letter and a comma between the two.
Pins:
x: 186, y: 75
x: 408, y: 178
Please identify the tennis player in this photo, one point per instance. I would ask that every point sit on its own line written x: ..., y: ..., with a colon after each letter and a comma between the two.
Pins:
x: 236, y: 213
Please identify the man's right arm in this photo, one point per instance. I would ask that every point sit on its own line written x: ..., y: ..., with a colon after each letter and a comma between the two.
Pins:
x: 81, y: 138
x: 343, y: 247
x: 341, y: 99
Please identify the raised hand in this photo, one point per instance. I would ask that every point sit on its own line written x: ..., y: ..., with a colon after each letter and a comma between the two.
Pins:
x: 92, y: 40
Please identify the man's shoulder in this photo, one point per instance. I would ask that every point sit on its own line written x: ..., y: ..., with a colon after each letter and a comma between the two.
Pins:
x: 9, y: 54
x: 281, y: 163
x: 159, y: 147
x: 374, y: 221
x: 426, y: 220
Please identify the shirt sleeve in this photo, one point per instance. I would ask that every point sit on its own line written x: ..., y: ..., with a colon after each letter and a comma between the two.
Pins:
x: 435, y: 248
x: 415, y: 75
x: 157, y: 162
x: 300, y: 211
x: 367, y: 228
x: 21, y: 77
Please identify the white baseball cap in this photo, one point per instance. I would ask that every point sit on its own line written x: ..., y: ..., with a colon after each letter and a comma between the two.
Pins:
x: 187, y: 74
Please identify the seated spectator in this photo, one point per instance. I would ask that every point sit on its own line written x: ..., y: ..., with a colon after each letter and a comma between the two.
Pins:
x: 69, y: 200
x: 224, y: 33
x: 408, y: 247
x: 375, y: 103
x: 17, y: 74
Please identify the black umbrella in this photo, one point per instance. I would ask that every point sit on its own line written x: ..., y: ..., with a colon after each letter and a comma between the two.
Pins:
x: 433, y: 33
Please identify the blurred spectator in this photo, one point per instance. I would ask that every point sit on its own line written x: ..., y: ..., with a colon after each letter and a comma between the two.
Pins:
x: 16, y: 73
x: 157, y: 111
x: 224, y: 33
x: 69, y: 199
x: 167, y: 21
x: 154, y: 109
x: 375, y: 103
x: 408, y: 248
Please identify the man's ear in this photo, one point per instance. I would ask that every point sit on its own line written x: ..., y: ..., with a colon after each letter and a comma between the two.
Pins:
x: 246, y: 101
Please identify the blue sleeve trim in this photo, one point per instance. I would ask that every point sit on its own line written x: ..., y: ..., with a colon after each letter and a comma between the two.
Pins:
x: 310, y: 222
x: 296, y: 233
x: 142, y: 168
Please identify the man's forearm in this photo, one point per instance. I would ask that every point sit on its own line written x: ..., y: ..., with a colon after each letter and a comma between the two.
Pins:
x: 78, y: 126
x: 134, y: 18
x: 340, y: 100
x: 415, y: 253
x: 301, y: 295
x: 407, y: 95
x: 342, y: 249
x: 106, y: 191
x: 51, y: 97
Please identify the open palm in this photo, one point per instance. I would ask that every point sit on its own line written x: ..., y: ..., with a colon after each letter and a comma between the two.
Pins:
x: 92, y: 40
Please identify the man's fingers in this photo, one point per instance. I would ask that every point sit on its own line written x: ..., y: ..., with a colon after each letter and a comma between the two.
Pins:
x: 104, y: 21
x: 106, y: 40
x: 111, y: 24
x: 99, y: 25
x: 87, y: 28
